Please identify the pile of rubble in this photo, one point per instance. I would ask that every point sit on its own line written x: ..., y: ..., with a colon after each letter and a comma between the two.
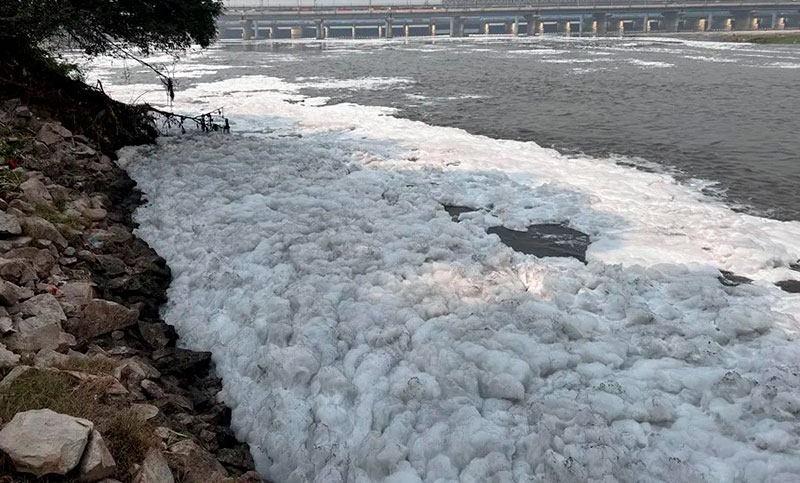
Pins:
x: 80, y: 328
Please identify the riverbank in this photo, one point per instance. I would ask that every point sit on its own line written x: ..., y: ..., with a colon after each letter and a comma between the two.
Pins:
x: 93, y: 384
x: 754, y: 36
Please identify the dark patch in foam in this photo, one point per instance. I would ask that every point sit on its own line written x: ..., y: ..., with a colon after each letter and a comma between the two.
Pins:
x: 543, y: 240
x: 730, y: 279
x: 791, y: 286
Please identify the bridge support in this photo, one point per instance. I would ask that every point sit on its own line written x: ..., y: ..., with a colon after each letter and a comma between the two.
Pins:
x: 406, y: 29
x: 532, y: 26
x: 297, y: 32
x: 671, y: 20
x: 456, y: 27
x: 353, y: 31
x: 720, y: 23
x: 697, y: 24
x: 601, y: 27
x: 484, y: 27
x: 742, y: 19
x: 432, y: 28
x: 777, y: 22
x: 320, y: 28
x: 247, y: 30
x: 388, y: 28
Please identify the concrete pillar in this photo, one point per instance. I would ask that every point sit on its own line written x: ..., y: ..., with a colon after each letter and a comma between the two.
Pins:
x: 406, y: 28
x: 297, y: 32
x: 432, y: 28
x: 320, y: 28
x: 779, y: 23
x: 509, y: 27
x: 273, y: 32
x: 697, y: 24
x: 485, y: 27
x: 671, y: 20
x: 353, y: 31
x: 456, y: 27
x: 720, y: 22
x: 380, y: 31
x: 533, y: 24
x: 247, y: 30
x: 602, y: 23
x: 743, y: 19
x: 387, y: 27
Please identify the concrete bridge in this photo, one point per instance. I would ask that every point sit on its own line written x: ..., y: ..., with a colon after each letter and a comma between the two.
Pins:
x: 458, y: 18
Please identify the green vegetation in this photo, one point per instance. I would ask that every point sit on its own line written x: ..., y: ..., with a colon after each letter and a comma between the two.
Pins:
x: 97, y: 365
x: 56, y: 217
x: 105, y: 26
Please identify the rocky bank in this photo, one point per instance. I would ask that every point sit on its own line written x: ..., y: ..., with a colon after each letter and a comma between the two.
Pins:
x: 93, y: 385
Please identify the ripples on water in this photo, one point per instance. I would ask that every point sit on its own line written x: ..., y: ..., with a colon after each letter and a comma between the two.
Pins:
x: 721, y: 112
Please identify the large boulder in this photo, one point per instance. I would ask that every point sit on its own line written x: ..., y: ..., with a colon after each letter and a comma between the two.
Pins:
x: 39, y: 259
x: 97, y: 462
x: 101, y: 317
x: 37, y: 333
x: 36, y: 227
x: 16, y: 270
x: 9, y: 225
x: 44, y: 305
x: 9, y: 293
x: 154, y: 469
x: 75, y: 296
x: 44, y: 442
x: 36, y: 193
x: 52, y: 133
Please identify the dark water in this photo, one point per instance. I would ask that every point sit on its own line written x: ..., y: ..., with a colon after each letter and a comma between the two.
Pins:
x: 714, y: 111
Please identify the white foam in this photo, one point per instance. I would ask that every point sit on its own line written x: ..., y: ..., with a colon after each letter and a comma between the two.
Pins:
x: 363, y: 336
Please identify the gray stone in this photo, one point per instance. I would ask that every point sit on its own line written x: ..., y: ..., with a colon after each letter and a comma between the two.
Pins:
x: 37, y: 333
x: 9, y: 224
x: 74, y: 296
x: 16, y: 242
x: 6, y: 326
x: 22, y: 206
x: 13, y: 375
x: 52, y: 133
x: 9, y: 293
x: 144, y: 411
x: 97, y: 462
x: 16, y: 270
x: 50, y: 358
x: 44, y: 442
x: 36, y: 227
x: 154, y: 334
x: 36, y: 193
x: 103, y: 316
x: 39, y: 259
x: 154, y: 469
x: 7, y: 358
x: 152, y: 389
x: 44, y: 305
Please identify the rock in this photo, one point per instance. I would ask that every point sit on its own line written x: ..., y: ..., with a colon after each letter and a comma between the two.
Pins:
x: 152, y: 389
x: 95, y: 214
x: 45, y: 306
x: 13, y: 375
x: 9, y: 293
x: 50, y: 358
x: 36, y: 193
x: 111, y: 265
x: 39, y: 259
x: 16, y: 242
x: 133, y: 371
x: 195, y: 464
x: 6, y: 325
x: 145, y: 411
x: 7, y: 358
x: 238, y: 457
x: 22, y: 206
x: 44, y: 442
x: 75, y: 296
x: 37, y: 333
x: 103, y: 316
x: 154, y: 334
x: 154, y: 469
x: 172, y: 360
x: 9, y: 225
x: 16, y: 270
x: 40, y: 228
x: 52, y: 133
x: 97, y: 462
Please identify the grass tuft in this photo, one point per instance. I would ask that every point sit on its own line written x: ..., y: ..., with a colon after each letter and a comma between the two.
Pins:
x: 128, y: 438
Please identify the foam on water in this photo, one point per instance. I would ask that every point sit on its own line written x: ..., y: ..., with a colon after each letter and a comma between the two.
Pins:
x: 362, y: 335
